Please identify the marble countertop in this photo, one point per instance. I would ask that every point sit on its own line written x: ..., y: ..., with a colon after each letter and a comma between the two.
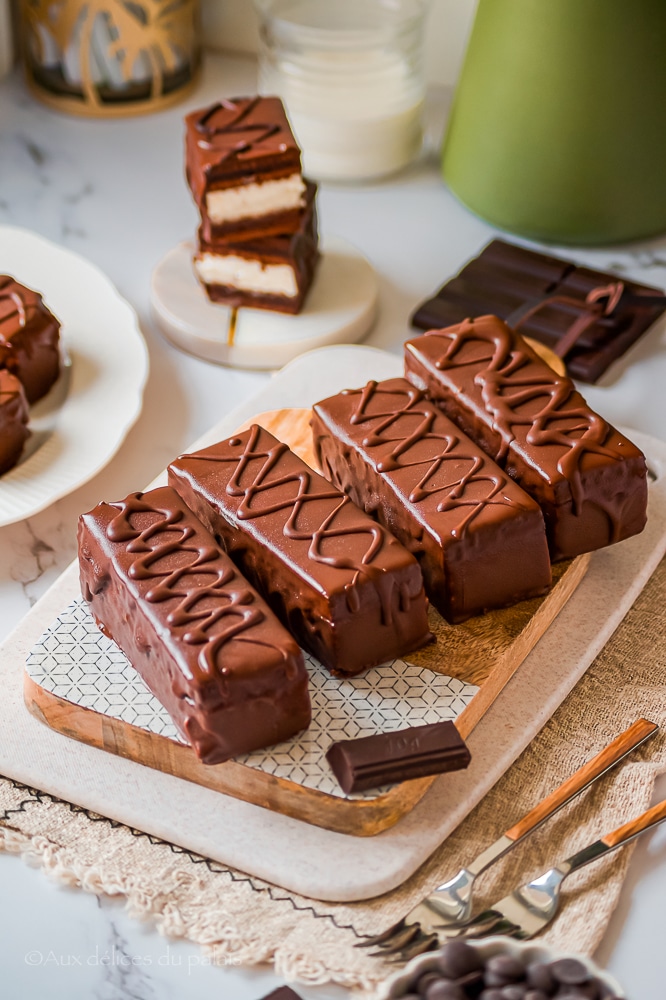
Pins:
x: 114, y: 192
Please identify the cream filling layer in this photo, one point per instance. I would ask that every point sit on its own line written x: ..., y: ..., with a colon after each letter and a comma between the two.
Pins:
x: 250, y: 201
x: 247, y: 275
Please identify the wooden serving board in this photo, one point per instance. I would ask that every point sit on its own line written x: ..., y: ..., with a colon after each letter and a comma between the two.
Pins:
x: 98, y: 699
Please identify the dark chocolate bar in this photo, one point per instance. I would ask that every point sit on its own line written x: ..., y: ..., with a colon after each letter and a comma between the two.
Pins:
x: 29, y: 338
x: 590, y: 318
x: 243, y: 166
x: 13, y: 420
x: 589, y: 480
x: 479, y: 538
x: 272, y: 273
x: 203, y: 640
x: 387, y: 758
x: 349, y: 592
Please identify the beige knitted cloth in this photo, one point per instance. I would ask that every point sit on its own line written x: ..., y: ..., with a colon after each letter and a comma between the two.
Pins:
x: 229, y: 913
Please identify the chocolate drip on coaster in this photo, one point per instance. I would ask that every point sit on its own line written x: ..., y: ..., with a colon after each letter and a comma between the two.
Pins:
x: 231, y: 329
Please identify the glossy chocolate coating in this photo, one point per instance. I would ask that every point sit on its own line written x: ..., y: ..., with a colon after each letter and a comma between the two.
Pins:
x: 588, y: 479
x: 13, y: 420
x: 480, y: 540
x: 29, y: 338
x: 348, y: 591
x: 544, y: 296
x: 386, y: 758
x: 239, y: 141
x: 203, y: 640
x: 300, y: 250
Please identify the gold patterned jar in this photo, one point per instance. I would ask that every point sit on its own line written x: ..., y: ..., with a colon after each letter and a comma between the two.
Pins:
x: 108, y: 58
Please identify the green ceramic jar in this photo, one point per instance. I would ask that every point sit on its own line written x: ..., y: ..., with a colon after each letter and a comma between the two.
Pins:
x: 558, y: 128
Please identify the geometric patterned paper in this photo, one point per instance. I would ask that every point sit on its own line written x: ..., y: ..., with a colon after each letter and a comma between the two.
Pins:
x: 76, y: 662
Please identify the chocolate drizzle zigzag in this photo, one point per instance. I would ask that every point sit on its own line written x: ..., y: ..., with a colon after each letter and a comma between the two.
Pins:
x: 214, y: 613
x: 234, y: 126
x: 383, y: 431
x: 511, y: 392
x: 14, y: 319
x: 256, y: 503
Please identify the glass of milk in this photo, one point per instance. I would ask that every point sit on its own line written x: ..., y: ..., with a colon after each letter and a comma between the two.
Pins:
x: 351, y: 76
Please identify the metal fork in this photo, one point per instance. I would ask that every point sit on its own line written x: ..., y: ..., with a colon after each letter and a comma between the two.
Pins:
x: 529, y: 909
x: 450, y: 904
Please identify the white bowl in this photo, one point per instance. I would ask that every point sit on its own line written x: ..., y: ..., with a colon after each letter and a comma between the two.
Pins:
x: 525, y: 951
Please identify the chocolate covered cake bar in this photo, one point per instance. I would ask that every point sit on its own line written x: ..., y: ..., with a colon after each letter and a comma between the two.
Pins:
x: 13, y: 420
x: 589, y: 318
x: 349, y: 592
x: 243, y: 166
x: 271, y: 273
x: 29, y: 338
x: 479, y: 539
x: 588, y: 479
x: 203, y: 640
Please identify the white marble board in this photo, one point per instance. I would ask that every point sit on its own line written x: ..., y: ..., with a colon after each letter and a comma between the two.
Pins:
x: 285, y: 851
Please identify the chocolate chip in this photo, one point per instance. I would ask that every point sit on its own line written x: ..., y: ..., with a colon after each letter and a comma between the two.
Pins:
x: 445, y: 989
x: 536, y: 995
x: 516, y: 991
x: 457, y: 958
x: 424, y: 981
x: 502, y: 970
x: 283, y: 993
x: 569, y: 971
x: 606, y: 992
x: 471, y: 983
x: 494, y: 993
x: 539, y: 977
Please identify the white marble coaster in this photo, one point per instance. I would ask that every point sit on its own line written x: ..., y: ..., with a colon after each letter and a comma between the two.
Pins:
x: 340, y: 309
x: 75, y: 661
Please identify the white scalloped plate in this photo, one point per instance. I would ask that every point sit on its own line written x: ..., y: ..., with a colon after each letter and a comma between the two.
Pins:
x: 83, y: 421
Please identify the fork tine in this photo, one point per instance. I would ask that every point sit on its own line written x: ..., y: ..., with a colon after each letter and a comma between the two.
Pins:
x: 499, y: 926
x: 370, y: 942
x: 399, y: 940
x: 426, y: 942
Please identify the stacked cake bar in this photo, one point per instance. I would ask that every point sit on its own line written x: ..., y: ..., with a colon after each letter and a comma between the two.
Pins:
x: 257, y: 242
